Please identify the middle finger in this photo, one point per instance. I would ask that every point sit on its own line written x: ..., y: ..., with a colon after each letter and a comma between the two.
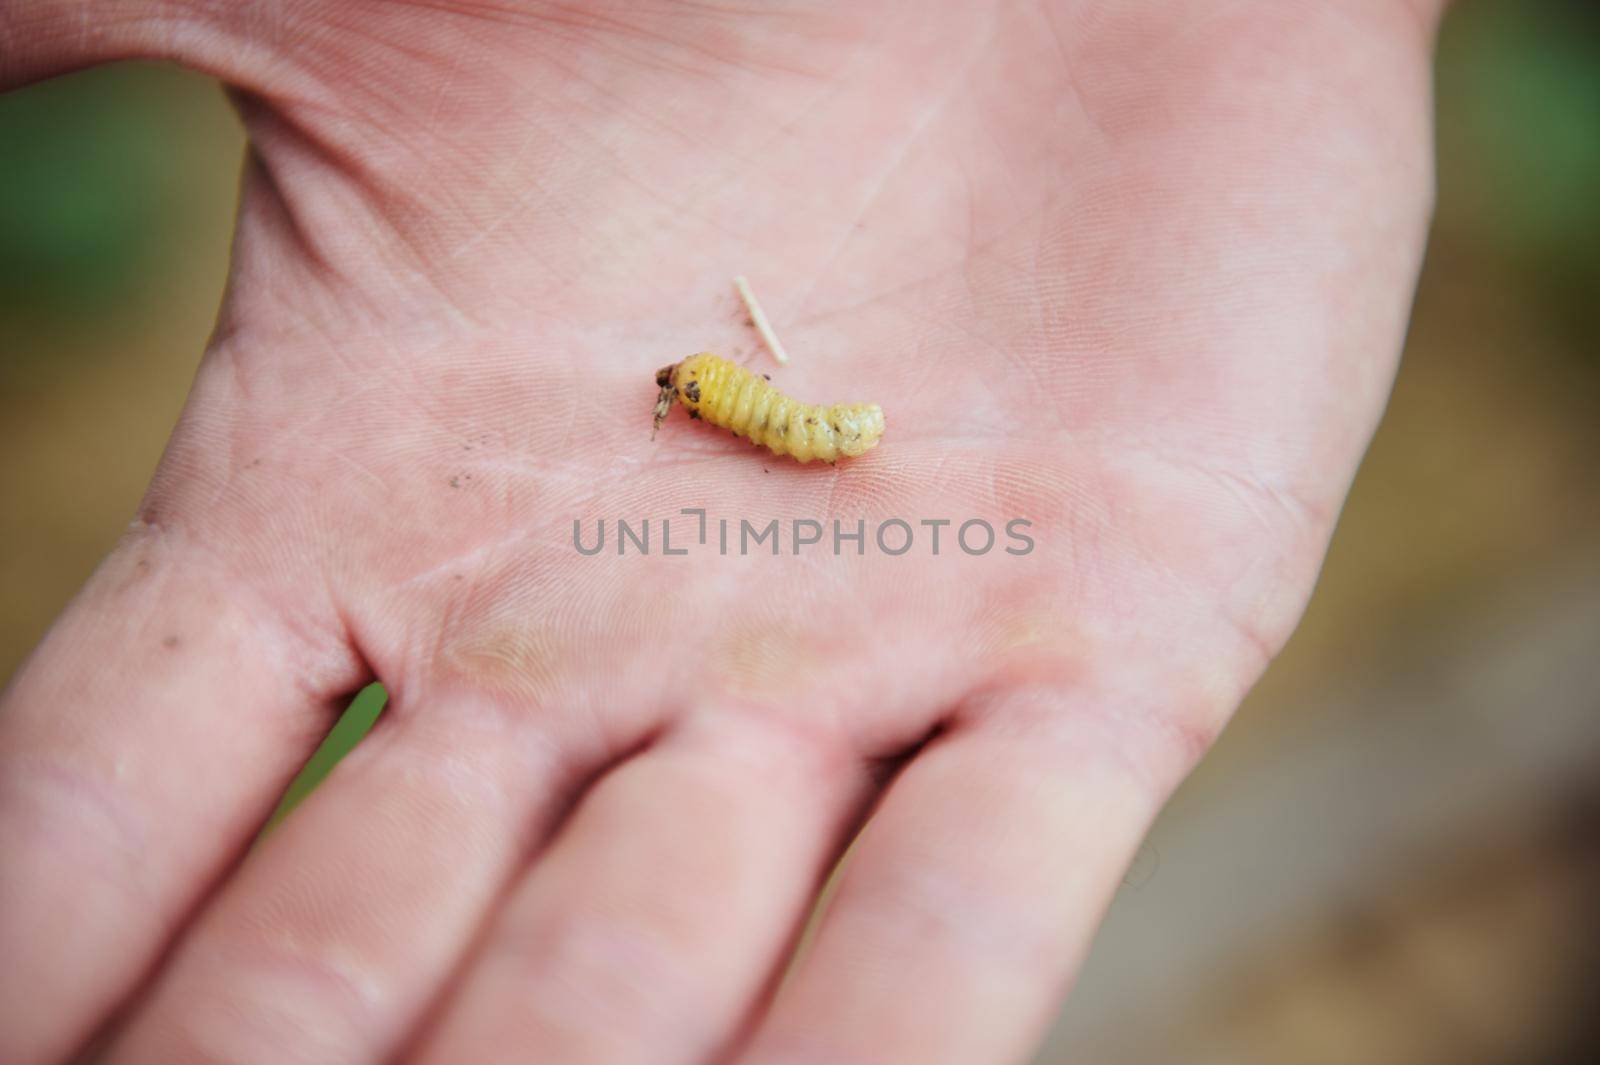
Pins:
x: 663, y: 906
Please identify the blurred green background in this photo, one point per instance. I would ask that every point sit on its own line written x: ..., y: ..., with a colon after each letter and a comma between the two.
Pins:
x: 1394, y: 853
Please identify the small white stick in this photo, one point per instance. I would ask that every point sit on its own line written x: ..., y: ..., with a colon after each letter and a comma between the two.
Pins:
x: 758, y: 318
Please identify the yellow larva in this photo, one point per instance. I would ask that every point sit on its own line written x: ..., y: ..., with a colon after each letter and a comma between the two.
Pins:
x: 731, y: 397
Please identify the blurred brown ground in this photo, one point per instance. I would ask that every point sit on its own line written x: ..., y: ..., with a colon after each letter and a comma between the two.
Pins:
x: 1394, y: 854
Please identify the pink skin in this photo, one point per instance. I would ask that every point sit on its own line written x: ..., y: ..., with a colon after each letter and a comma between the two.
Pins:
x: 1136, y: 271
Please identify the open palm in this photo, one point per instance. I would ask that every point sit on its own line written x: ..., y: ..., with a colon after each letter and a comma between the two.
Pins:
x: 1128, y: 278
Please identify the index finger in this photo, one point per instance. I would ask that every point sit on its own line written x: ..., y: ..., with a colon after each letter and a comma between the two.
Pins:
x: 141, y: 747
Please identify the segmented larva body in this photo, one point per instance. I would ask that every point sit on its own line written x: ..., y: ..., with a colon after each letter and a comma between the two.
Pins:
x: 731, y: 397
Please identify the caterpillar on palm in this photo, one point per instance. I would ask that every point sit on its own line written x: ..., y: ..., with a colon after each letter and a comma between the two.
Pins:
x: 731, y: 397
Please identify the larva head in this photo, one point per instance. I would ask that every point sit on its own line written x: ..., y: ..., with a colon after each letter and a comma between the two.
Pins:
x: 664, y: 398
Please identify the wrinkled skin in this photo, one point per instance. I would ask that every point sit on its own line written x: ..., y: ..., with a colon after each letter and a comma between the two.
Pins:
x: 1137, y: 272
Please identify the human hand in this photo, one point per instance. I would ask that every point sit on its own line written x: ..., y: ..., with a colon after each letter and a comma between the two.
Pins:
x: 1136, y: 273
